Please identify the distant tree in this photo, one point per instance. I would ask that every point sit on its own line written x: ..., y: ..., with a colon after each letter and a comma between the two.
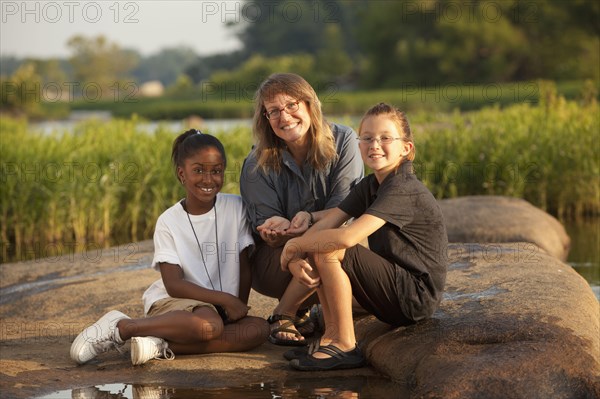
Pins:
x: 20, y: 93
x: 476, y: 48
x: 242, y: 82
x: 333, y: 63
x: 9, y: 64
x: 205, y: 66
x: 317, y: 30
x: 274, y: 28
x: 426, y: 42
x: 295, y: 26
x: 166, y: 65
x: 562, y: 39
x: 98, y: 62
x: 182, y: 86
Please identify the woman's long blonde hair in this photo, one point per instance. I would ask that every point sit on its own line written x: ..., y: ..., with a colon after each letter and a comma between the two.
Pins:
x: 269, y: 147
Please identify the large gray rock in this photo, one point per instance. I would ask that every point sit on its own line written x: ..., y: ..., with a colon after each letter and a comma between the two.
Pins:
x: 485, y: 219
x: 514, y: 323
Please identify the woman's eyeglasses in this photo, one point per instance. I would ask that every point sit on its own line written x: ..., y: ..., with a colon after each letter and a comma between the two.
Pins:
x: 290, y: 108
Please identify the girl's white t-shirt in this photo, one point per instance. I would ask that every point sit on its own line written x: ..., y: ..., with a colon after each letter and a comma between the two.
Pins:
x: 175, y: 243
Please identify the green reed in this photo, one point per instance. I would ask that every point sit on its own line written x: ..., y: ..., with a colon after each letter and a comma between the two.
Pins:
x: 107, y: 181
x: 548, y: 154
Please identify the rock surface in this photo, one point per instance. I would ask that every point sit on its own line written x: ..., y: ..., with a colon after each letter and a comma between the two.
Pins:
x: 515, y: 322
x: 503, y: 330
x: 496, y: 219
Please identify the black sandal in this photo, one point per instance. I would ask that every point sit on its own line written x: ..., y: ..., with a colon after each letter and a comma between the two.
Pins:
x: 284, y: 328
x: 338, y: 360
x: 304, y: 351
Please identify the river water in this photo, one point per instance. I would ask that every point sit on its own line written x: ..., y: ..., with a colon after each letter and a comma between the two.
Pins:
x: 584, y: 255
x: 320, y: 387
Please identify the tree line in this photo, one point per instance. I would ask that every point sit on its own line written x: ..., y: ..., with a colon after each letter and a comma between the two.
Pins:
x: 354, y: 44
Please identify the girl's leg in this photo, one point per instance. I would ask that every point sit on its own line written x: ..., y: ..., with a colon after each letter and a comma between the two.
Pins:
x: 335, y: 295
x: 243, y: 335
x: 200, y: 331
x: 203, y: 324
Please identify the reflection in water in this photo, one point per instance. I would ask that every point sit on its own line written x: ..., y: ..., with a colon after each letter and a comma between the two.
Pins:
x: 317, y: 387
x: 584, y: 255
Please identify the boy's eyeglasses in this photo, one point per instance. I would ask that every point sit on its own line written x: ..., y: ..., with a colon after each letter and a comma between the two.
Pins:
x: 290, y: 108
x: 380, y: 140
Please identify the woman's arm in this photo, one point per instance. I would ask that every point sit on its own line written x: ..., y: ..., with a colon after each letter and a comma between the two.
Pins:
x: 274, y: 231
x: 259, y: 193
x: 348, y: 169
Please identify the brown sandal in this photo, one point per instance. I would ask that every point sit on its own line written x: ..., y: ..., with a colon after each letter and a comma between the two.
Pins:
x: 288, y: 321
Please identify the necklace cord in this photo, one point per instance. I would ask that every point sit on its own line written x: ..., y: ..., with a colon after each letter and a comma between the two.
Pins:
x: 200, y: 247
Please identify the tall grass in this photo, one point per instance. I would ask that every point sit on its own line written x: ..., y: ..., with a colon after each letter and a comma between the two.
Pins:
x: 548, y: 154
x: 108, y: 181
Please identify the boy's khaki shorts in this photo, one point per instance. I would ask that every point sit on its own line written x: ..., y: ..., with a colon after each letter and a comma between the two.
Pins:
x: 167, y: 305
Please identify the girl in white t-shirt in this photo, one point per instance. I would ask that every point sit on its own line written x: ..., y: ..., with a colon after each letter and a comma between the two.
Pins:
x: 201, y: 250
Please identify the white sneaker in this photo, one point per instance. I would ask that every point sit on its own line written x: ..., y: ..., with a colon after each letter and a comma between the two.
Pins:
x: 151, y: 392
x: 148, y: 348
x: 100, y: 337
x: 86, y: 393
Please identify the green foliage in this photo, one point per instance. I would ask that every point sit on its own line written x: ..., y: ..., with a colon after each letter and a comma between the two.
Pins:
x: 98, y: 62
x: 547, y: 154
x: 257, y: 68
x: 428, y: 42
x: 233, y: 99
x: 21, y: 92
x: 291, y: 26
x: 110, y: 181
x: 181, y: 87
x: 167, y: 65
x: 99, y: 183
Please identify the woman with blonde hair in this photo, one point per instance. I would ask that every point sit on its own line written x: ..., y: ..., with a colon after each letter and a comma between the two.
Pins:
x: 300, y: 166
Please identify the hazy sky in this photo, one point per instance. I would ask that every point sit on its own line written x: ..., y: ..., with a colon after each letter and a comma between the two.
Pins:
x: 41, y: 29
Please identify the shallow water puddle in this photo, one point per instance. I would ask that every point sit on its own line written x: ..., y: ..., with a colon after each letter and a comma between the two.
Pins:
x: 315, y: 388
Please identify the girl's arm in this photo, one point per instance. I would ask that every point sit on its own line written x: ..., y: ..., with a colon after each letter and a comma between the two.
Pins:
x: 326, y: 235
x: 178, y: 287
x: 245, y: 276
